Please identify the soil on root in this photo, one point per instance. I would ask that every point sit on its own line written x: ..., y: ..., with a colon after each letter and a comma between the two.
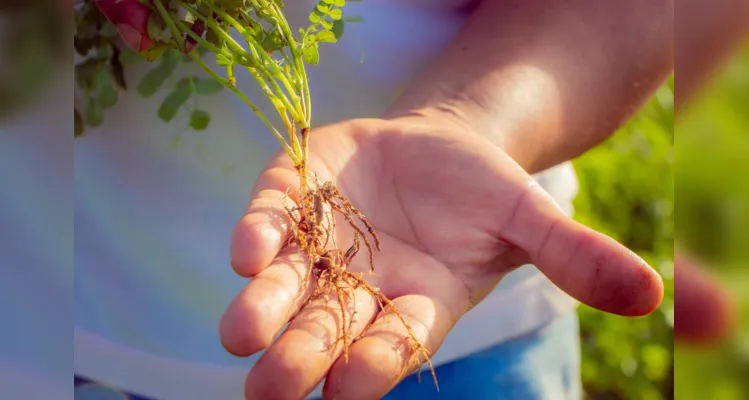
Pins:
x: 313, y: 232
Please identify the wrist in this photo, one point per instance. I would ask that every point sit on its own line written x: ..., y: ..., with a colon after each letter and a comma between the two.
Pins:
x: 517, y: 108
x: 469, y: 118
x: 450, y: 115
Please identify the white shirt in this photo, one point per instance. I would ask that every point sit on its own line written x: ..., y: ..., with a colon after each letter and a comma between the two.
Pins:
x: 153, y: 215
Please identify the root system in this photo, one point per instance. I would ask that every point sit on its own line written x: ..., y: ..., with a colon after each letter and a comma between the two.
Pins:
x: 313, y: 232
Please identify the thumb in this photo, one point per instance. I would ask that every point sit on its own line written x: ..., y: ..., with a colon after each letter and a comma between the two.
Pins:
x: 588, y: 265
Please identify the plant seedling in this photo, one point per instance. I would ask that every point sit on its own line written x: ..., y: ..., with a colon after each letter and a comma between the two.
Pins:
x: 277, y: 61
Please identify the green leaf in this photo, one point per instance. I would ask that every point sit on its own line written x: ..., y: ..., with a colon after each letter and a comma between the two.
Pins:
x: 129, y: 57
x: 108, y: 30
x: 200, y: 85
x: 273, y: 41
x: 87, y: 13
x: 323, y: 8
x: 190, y: 18
x: 155, y: 52
x: 207, y: 86
x: 339, y: 3
x: 259, y: 35
x: 336, y: 13
x: 86, y: 73
x: 337, y: 29
x: 310, y: 39
x: 212, y: 37
x: 199, y: 120
x: 171, y: 104
x: 223, y: 60
x: 326, y: 36
x: 107, y: 94
x: 353, y: 19
x: 94, y: 113
x: 83, y: 45
x: 117, y: 71
x: 153, y: 80
x: 314, y: 17
x: 105, y: 51
x: 108, y: 97
x: 77, y: 123
x: 184, y: 83
x: 311, y: 55
x: 327, y: 24
x: 155, y: 26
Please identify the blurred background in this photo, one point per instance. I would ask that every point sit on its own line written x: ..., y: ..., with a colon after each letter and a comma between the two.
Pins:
x: 712, y: 188
x: 36, y: 200
x: 627, y: 192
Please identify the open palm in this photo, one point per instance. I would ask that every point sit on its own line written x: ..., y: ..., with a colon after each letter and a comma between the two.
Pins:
x: 454, y: 215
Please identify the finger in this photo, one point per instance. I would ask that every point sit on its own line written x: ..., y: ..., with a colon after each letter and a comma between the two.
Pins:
x: 296, y: 363
x: 263, y: 230
x: 586, y: 264
x: 384, y: 356
x: 703, y: 312
x: 265, y: 305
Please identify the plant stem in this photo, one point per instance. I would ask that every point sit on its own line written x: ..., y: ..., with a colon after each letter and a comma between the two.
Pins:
x: 236, y: 48
x: 298, y: 63
x: 169, y: 22
x: 273, y: 70
x: 307, y: 101
x: 302, y: 165
x: 196, y: 57
x: 278, y: 104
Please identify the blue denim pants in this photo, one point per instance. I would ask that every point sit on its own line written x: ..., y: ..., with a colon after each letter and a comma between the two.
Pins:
x: 541, y: 365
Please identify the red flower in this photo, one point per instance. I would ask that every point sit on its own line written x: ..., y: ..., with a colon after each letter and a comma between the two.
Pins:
x: 130, y: 17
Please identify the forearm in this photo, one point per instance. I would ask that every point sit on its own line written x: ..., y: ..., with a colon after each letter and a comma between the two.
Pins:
x: 547, y: 80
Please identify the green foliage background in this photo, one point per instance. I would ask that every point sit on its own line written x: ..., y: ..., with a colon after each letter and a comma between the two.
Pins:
x: 627, y: 192
x: 713, y: 222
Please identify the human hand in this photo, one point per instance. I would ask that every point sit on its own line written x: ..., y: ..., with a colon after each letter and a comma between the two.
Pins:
x: 454, y: 215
